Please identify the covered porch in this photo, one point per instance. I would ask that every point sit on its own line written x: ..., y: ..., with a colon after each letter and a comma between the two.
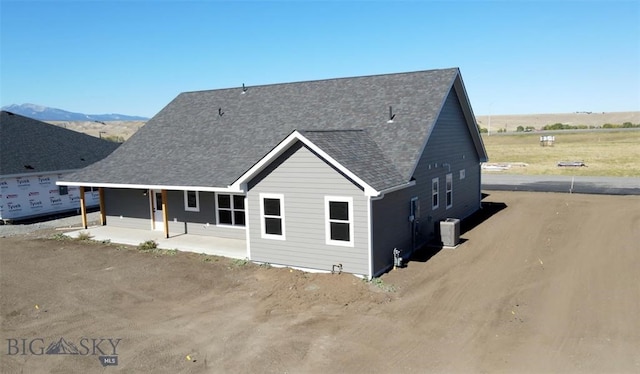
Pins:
x: 232, y: 248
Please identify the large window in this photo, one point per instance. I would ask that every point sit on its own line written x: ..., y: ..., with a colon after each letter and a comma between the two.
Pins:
x: 435, y: 185
x: 191, y: 201
x: 272, y: 216
x: 449, y: 190
x: 231, y: 210
x: 339, y: 220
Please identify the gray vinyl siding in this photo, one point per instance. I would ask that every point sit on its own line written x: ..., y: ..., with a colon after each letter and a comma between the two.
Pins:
x: 128, y: 208
x: 202, y: 222
x: 448, y: 150
x: 391, y: 227
x: 304, y: 180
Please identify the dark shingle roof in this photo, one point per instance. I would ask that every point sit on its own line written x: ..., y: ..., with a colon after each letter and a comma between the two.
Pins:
x: 31, y: 146
x: 356, y: 149
x: 189, y: 143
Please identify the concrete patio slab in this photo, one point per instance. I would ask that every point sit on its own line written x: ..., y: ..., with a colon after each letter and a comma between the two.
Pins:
x: 232, y: 248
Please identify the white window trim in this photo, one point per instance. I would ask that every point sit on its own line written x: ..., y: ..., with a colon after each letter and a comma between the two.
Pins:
x: 263, y: 232
x: 327, y: 221
x: 448, y: 182
x: 232, y: 209
x: 186, y: 202
x: 435, y: 192
x: 463, y: 174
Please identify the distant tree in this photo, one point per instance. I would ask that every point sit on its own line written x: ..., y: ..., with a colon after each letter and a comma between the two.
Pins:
x: 559, y: 126
x: 483, y: 130
x: 520, y: 129
x: 114, y: 138
x: 502, y: 130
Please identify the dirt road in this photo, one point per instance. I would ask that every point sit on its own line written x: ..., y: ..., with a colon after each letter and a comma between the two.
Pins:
x: 545, y: 283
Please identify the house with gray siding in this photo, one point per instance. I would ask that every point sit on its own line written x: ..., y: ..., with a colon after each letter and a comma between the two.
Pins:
x: 319, y: 175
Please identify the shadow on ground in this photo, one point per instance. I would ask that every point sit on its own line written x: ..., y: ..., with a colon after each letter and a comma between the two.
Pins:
x: 487, y: 210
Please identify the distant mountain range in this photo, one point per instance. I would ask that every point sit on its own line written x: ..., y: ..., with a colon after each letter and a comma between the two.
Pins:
x: 44, y: 113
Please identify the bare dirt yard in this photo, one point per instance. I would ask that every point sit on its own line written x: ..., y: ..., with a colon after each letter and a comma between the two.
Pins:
x: 542, y: 283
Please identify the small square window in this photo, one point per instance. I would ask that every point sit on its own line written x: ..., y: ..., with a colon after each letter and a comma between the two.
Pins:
x: 272, y: 207
x: 63, y: 190
x: 224, y: 201
x: 191, y: 201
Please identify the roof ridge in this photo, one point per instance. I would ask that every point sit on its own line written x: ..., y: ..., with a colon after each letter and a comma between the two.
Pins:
x: 248, y: 87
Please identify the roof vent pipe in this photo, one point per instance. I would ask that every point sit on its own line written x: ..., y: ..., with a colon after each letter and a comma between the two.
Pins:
x: 220, y: 112
x: 244, y: 89
x: 391, y: 115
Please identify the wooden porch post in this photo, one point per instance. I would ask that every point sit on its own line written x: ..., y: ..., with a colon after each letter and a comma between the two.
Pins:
x: 165, y: 214
x: 83, y: 208
x: 103, y: 212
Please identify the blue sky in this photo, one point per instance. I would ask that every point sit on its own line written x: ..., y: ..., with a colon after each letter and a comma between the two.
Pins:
x: 134, y: 57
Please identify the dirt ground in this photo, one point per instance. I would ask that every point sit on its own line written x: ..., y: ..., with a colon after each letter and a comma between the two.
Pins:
x: 542, y: 283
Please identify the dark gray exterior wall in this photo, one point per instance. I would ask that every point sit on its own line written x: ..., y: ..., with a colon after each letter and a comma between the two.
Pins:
x: 198, y: 223
x: 304, y: 180
x: 449, y: 149
x: 391, y: 227
x: 127, y: 208
x: 130, y: 208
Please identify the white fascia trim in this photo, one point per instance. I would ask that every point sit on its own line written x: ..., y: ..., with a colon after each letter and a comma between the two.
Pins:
x: 370, y: 236
x: 246, y: 225
x: 283, y: 146
x: 152, y: 187
x: 394, y: 189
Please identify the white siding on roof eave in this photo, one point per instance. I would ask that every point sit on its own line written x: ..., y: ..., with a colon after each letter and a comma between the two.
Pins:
x: 150, y: 187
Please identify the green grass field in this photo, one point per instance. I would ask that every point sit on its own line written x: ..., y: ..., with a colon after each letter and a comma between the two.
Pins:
x: 606, y: 153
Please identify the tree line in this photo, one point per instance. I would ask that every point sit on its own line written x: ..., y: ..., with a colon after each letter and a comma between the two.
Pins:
x: 563, y: 126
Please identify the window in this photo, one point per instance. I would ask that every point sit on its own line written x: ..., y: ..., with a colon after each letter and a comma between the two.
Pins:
x: 435, y: 182
x: 462, y: 174
x: 191, y: 201
x: 339, y: 220
x: 272, y: 216
x: 231, y: 210
x: 63, y: 190
x: 449, y: 190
